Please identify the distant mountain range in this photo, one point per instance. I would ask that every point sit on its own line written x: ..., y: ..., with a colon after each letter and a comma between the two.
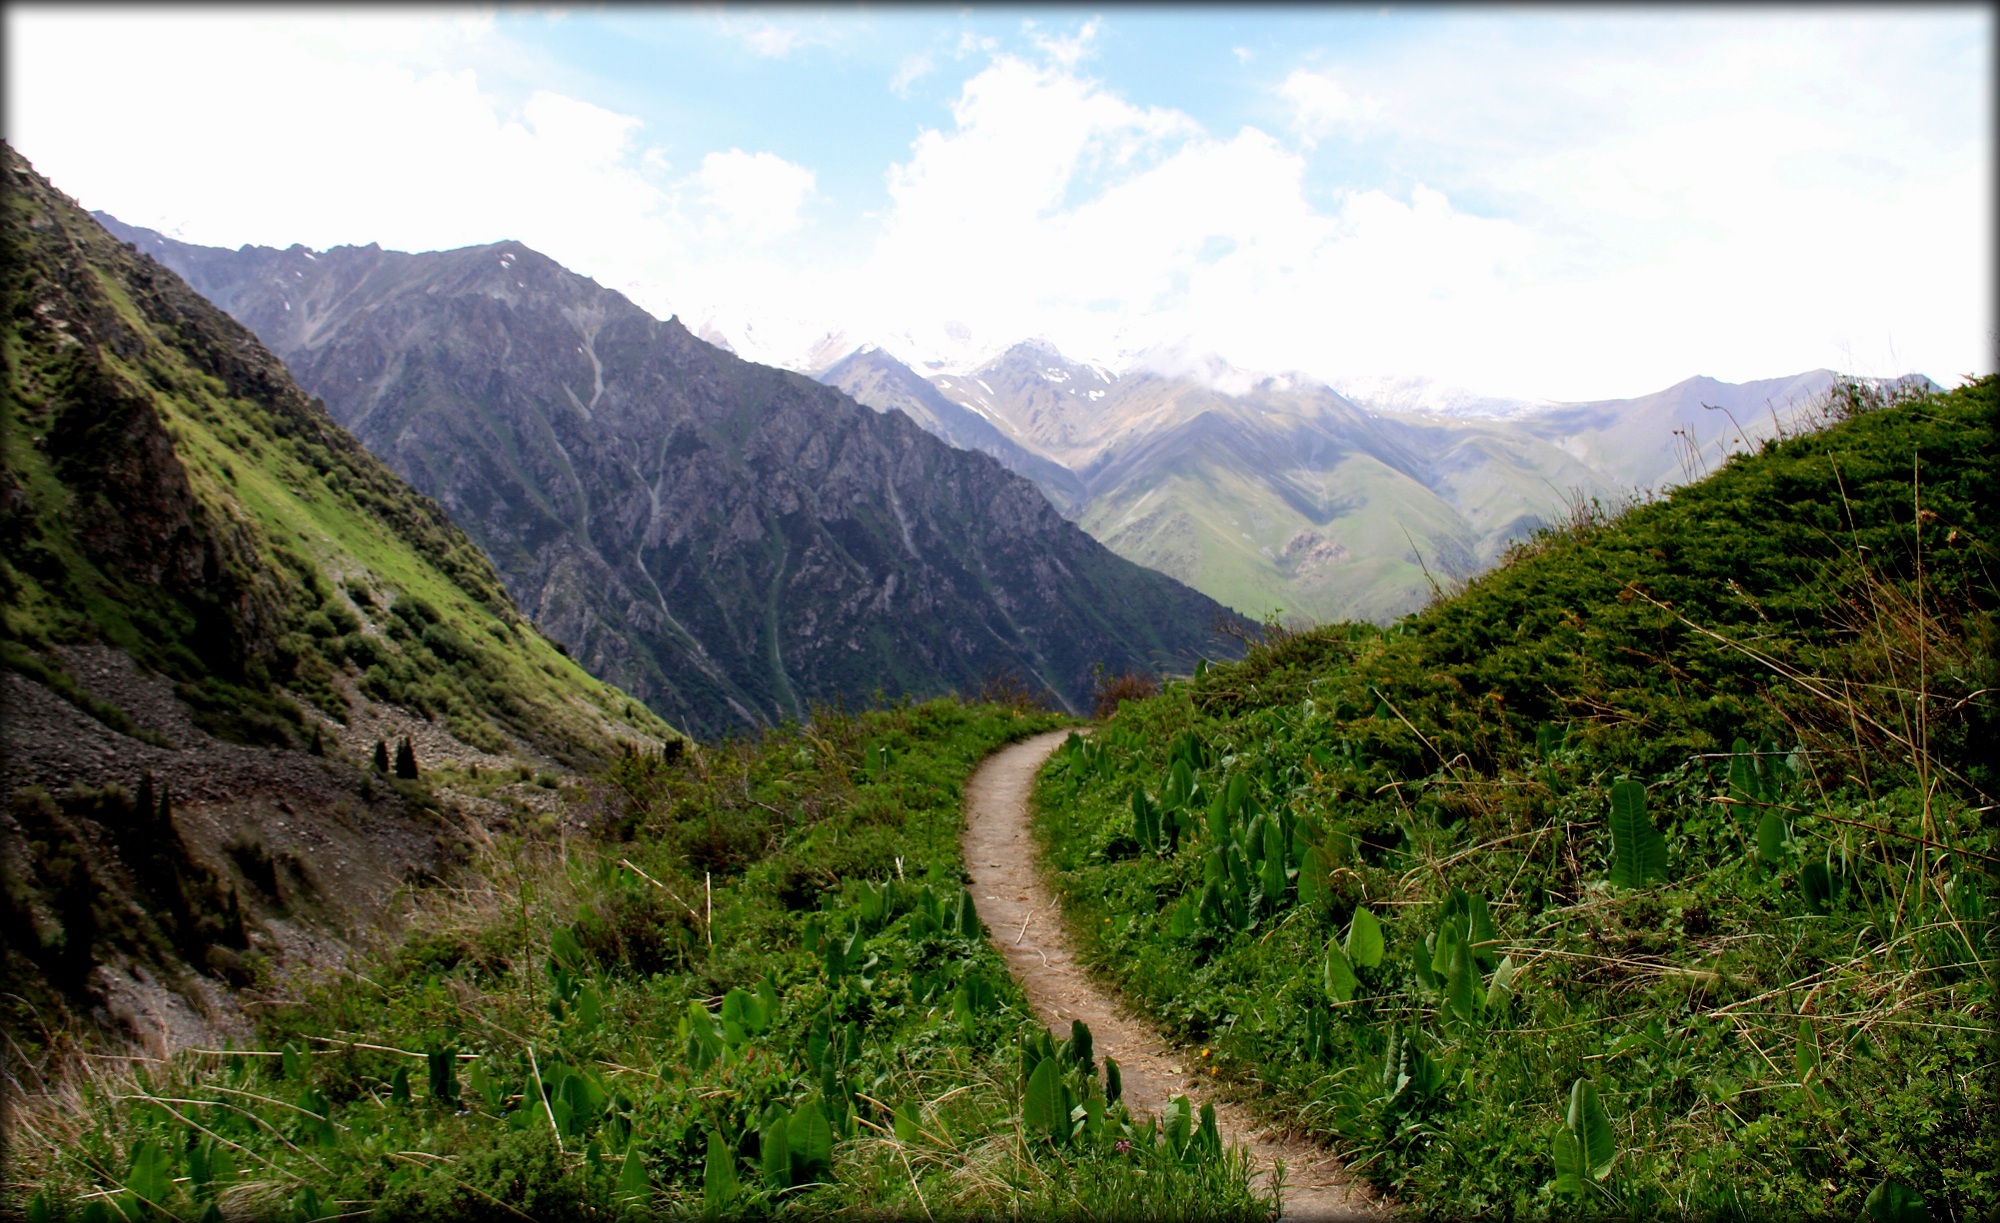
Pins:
x: 1278, y: 492
x: 727, y: 541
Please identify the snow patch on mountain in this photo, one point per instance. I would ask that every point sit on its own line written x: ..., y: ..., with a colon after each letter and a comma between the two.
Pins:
x: 1414, y: 393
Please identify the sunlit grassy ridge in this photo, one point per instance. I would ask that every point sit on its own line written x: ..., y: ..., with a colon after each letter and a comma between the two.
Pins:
x: 145, y: 430
x: 755, y: 988
x: 1677, y: 830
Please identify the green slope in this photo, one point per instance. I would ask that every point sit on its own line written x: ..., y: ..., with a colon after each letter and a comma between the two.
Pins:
x: 169, y: 491
x: 1677, y: 829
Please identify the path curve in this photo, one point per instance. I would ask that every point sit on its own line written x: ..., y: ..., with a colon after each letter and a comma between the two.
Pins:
x: 1026, y: 927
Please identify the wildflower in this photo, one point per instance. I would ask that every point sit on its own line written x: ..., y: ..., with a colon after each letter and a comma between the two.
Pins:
x: 1122, y: 1145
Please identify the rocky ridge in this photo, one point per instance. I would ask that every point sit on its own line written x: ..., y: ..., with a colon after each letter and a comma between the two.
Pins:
x: 728, y: 541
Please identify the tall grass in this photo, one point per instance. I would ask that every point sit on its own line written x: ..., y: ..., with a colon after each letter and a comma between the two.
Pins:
x: 745, y: 980
x: 1677, y: 832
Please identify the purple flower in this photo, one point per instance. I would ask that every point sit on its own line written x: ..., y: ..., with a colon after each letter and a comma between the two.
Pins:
x: 1122, y: 1145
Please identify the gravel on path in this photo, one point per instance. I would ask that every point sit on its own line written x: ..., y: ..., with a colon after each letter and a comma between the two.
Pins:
x: 1026, y: 925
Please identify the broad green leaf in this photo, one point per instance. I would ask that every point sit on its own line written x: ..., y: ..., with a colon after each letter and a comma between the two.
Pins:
x: 812, y: 1144
x: 1480, y: 929
x: 1744, y: 784
x: 907, y: 1128
x: 632, y: 1179
x: 399, y: 1086
x: 1592, y: 1127
x: 1364, y: 939
x: 1459, y: 982
x: 1237, y: 796
x: 1177, y: 1122
x: 1501, y: 987
x: 777, y: 1153
x: 1421, y: 961
x: 1114, y: 1080
x: 1449, y: 936
x: 1771, y: 837
x: 1568, y: 1156
x: 1218, y: 817
x: 1272, y: 872
x: 719, y: 1186
x: 1312, y: 874
x: 1639, y: 851
x: 1890, y: 1202
x: 1338, y: 974
x: 1816, y: 885
x: 1079, y: 1046
x: 767, y: 1005
x: 151, y: 1176
x: 1207, y: 1137
x: 1040, y: 1107
x: 737, y: 1006
x: 1145, y: 828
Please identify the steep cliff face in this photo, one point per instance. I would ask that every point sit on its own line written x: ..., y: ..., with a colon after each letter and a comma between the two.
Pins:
x: 212, y: 601
x: 728, y: 541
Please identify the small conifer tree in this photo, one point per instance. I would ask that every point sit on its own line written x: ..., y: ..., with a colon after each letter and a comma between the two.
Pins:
x: 381, y: 756
x: 406, y: 760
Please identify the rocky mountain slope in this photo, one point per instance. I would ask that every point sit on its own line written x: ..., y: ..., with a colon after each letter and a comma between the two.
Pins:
x: 1278, y: 492
x: 216, y: 603
x: 728, y: 541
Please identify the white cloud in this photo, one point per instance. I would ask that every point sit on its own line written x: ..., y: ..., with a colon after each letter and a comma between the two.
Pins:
x: 297, y: 130
x: 1561, y: 215
x: 1053, y: 206
x: 909, y: 72
x: 755, y: 196
x: 1320, y: 107
x: 1067, y: 52
x: 773, y: 41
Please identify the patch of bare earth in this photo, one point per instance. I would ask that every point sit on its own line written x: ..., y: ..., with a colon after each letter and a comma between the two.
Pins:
x: 1027, y: 927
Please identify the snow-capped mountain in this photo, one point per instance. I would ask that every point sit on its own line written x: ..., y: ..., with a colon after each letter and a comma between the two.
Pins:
x: 1272, y: 490
x: 1414, y: 393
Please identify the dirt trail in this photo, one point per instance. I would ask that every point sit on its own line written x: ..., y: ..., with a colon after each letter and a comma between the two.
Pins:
x: 1027, y: 928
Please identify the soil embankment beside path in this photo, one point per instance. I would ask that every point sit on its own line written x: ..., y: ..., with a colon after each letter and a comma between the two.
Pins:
x: 1027, y: 927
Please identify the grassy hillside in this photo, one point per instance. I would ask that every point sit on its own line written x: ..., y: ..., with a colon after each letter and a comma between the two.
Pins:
x: 1650, y: 875
x: 754, y: 986
x: 170, y: 492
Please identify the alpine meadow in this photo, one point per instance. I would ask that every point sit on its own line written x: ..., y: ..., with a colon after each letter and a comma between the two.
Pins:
x: 1260, y: 615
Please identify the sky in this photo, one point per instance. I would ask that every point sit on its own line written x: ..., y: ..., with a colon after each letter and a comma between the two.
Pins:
x: 1565, y: 203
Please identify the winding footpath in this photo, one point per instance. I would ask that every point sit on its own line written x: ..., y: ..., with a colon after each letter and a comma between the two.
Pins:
x: 1027, y: 928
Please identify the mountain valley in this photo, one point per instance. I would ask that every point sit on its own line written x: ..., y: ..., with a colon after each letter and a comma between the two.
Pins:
x: 729, y: 542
